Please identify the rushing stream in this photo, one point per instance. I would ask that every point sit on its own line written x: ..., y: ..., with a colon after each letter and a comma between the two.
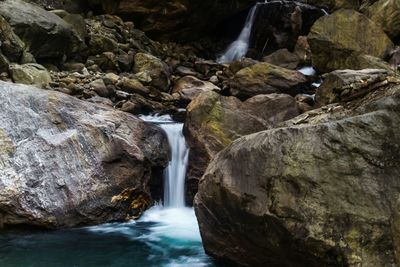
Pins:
x: 164, y: 236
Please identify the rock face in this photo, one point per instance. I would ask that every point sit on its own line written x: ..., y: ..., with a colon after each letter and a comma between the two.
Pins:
x: 65, y: 162
x: 45, y: 34
x: 323, y: 193
x: 338, y: 41
x: 265, y: 78
x: 214, y: 121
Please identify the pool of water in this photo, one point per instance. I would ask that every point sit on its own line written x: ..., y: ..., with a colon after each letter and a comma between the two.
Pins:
x: 163, y: 237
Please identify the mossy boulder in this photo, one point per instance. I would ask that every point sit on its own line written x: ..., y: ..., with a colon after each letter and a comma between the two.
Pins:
x: 386, y: 13
x: 214, y: 121
x: 340, y: 40
x: 265, y: 78
x: 312, y: 194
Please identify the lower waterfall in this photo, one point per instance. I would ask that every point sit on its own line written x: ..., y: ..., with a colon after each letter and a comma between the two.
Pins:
x: 166, y: 235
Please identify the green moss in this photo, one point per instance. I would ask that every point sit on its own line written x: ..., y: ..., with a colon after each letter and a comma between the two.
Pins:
x: 213, y: 123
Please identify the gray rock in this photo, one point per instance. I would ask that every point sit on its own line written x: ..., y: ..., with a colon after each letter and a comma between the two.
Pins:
x: 340, y: 85
x: 66, y: 162
x: 101, y: 88
x: 45, y: 34
x: 322, y: 193
x: 10, y: 44
x: 156, y: 69
x: 189, y: 87
x: 265, y: 78
x: 30, y: 73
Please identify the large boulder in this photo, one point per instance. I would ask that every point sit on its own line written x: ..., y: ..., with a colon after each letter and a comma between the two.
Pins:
x: 318, y: 191
x: 65, y: 162
x: 386, y: 13
x: 46, y: 35
x: 265, y: 78
x: 214, y: 121
x: 338, y: 41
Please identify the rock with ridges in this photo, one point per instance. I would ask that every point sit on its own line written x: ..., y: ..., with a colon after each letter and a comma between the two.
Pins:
x: 340, y: 85
x: 65, y: 162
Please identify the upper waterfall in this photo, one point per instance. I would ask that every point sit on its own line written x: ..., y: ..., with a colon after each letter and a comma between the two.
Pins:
x: 238, y: 49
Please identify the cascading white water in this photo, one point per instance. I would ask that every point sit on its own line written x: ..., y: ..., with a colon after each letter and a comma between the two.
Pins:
x: 238, y: 49
x: 175, y: 173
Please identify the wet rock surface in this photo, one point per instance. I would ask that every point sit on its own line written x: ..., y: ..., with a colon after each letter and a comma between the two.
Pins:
x: 65, y: 162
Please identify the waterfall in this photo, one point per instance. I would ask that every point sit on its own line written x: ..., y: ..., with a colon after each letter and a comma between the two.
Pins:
x: 238, y: 49
x: 175, y: 173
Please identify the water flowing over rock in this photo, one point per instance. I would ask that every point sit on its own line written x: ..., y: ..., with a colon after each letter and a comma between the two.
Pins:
x: 65, y: 162
x: 238, y: 49
x: 322, y: 190
x: 340, y: 40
